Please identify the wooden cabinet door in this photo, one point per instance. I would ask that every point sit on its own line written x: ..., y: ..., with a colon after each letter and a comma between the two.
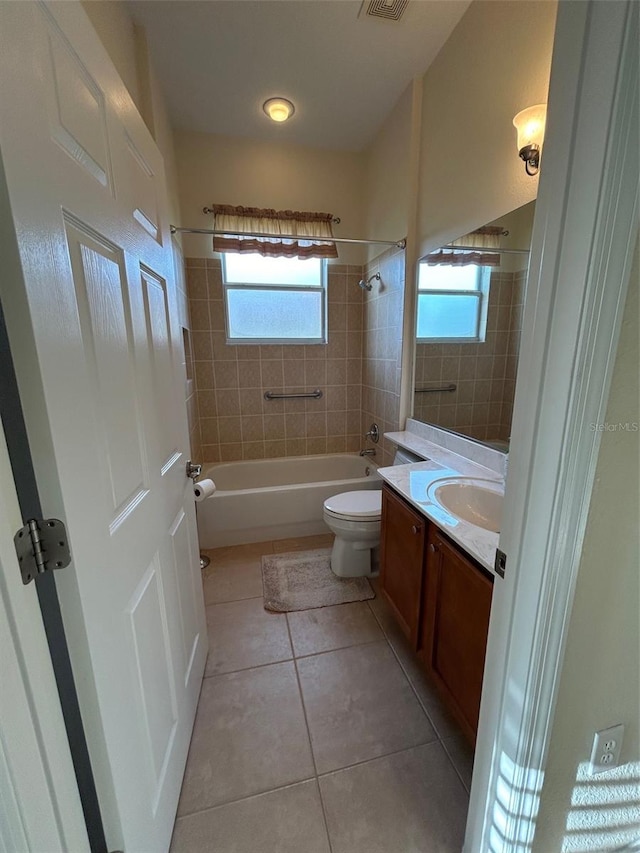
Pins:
x: 401, y: 558
x: 453, y: 638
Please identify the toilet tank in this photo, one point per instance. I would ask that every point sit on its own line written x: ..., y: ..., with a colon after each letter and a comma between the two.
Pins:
x: 404, y: 457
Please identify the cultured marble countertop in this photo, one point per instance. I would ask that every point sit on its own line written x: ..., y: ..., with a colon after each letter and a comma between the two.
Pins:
x: 412, y: 482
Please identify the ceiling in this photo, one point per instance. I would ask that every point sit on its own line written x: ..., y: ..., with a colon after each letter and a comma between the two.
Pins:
x: 219, y: 60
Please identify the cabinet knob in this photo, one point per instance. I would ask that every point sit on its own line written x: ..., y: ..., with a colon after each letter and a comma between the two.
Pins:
x: 433, y: 548
x: 416, y: 528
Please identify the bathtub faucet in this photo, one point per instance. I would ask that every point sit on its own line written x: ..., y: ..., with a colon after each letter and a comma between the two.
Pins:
x: 369, y: 451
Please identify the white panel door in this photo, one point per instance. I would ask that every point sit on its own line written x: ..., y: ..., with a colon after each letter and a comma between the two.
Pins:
x: 97, y: 343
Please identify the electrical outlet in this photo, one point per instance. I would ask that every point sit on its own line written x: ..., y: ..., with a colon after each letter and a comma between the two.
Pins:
x: 605, y: 753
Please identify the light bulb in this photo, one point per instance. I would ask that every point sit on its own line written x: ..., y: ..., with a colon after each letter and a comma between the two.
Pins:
x: 530, y: 124
x: 278, y: 109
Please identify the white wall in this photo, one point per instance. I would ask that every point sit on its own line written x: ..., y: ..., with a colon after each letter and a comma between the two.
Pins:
x: 164, y: 137
x: 495, y: 63
x: 600, y: 681
x: 113, y: 23
x: 125, y: 42
x: 387, y: 176
x: 214, y: 169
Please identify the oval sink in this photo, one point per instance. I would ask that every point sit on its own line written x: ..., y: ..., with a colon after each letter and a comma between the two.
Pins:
x: 477, y: 501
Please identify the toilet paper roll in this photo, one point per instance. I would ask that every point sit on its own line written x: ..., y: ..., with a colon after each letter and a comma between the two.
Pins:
x: 203, y: 490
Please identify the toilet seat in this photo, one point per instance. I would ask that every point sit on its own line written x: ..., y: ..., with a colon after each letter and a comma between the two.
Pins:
x: 364, y: 505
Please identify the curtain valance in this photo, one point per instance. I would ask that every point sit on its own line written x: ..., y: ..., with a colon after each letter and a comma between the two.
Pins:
x: 487, y: 237
x: 313, y: 232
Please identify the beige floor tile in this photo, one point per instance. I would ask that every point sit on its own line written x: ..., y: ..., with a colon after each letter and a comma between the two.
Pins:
x: 461, y: 754
x: 327, y: 628
x: 410, y: 802
x: 426, y: 691
x: 288, y: 820
x: 305, y: 543
x: 234, y: 581
x: 249, y: 737
x: 359, y: 706
x: 242, y: 634
x: 238, y: 553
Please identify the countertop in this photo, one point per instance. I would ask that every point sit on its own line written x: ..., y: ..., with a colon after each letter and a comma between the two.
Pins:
x: 412, y: 481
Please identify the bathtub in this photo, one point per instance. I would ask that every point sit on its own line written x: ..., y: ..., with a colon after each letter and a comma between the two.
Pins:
x: 266, y: 499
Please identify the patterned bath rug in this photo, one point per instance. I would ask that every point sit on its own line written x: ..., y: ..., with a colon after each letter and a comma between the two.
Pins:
x: 303, y: 580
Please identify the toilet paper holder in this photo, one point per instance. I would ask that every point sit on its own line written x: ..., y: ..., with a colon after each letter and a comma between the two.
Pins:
x: 193, y: 470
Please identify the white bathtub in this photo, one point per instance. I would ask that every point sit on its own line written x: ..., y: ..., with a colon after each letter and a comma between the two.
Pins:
x: 266, y: 499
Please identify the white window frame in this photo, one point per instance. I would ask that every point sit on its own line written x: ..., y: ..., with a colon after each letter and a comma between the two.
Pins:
x: 276, y: 288
x: 481, y: 292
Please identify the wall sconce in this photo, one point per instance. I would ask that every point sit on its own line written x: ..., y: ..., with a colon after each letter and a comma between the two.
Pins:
x: 278, y: 109
x: 530, y: 124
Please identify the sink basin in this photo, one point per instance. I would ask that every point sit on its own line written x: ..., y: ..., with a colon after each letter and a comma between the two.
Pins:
x: 477, y: 501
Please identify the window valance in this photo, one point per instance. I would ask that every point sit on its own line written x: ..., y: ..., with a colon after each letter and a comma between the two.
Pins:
x: 485, y: 238
x: 312, y: 232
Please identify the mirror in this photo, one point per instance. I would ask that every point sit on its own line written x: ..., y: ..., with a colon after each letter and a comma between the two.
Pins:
x: 468, y: 326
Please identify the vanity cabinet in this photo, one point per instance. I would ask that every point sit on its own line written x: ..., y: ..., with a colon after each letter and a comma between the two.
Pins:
x: 442, y: 601
x: 455, y: 610
x: 402, y: 543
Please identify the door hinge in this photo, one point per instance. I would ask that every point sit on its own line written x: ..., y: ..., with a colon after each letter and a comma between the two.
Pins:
x: 41, y: 545
x: 501, y: 562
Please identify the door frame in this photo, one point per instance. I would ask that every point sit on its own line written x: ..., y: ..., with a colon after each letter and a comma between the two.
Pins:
x: 36, y: 760
x: 582, y: 247
x: 19, y: 486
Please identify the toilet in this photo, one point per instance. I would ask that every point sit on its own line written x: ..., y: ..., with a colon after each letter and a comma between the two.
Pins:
x: 354, y: 519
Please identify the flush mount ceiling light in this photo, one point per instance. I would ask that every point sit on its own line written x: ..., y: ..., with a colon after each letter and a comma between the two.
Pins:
x: 530, y: 124
x: 278, y: 109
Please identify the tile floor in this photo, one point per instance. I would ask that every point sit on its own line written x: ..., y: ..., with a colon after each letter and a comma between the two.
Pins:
x: 316, y: 731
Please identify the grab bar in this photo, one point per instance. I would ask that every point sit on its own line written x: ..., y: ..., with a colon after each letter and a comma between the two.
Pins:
x: 316, y: 395
x: 450, y: 387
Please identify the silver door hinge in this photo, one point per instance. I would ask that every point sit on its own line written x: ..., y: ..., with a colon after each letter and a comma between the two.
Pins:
x: 41, y: 545
x: 501, y: 562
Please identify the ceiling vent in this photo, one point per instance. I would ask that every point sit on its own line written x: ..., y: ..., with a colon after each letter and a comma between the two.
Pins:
x: 390, y: 10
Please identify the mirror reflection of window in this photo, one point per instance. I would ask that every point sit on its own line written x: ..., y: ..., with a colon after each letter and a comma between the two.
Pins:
x: 469, y: 321
x: 452, y: 303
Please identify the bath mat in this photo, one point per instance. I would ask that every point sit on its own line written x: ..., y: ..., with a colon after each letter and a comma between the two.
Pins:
x: 303, y: 580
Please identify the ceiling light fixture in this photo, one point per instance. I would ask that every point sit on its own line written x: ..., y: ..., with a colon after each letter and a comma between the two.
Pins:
x: 278, y: 109
x: 530, y: 124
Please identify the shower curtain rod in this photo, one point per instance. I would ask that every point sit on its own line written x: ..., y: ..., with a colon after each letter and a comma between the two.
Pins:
x: 400, y: 244
x: 488, y: 250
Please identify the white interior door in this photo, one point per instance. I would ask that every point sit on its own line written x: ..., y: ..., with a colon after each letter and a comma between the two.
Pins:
x: 93, y: 321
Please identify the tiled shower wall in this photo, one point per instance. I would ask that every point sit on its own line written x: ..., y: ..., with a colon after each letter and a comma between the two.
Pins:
x: 484, y: 373
x: 235, y: 420
x: 190, y: 386
x: 382, y: 349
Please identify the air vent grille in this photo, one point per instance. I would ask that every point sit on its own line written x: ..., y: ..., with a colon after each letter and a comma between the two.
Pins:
x: 390, y: 10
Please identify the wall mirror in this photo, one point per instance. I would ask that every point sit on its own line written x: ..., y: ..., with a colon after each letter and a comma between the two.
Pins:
x: 470, y: 302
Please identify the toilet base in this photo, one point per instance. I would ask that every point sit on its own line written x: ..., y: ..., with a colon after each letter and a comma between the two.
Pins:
x: 352, y: 560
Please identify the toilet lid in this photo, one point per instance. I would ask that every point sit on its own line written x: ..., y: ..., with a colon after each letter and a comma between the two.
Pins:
x: 363, y: 504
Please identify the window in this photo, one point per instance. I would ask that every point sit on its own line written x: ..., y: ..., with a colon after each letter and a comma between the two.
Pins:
x: 274, y: 300
x: 452, y: 303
